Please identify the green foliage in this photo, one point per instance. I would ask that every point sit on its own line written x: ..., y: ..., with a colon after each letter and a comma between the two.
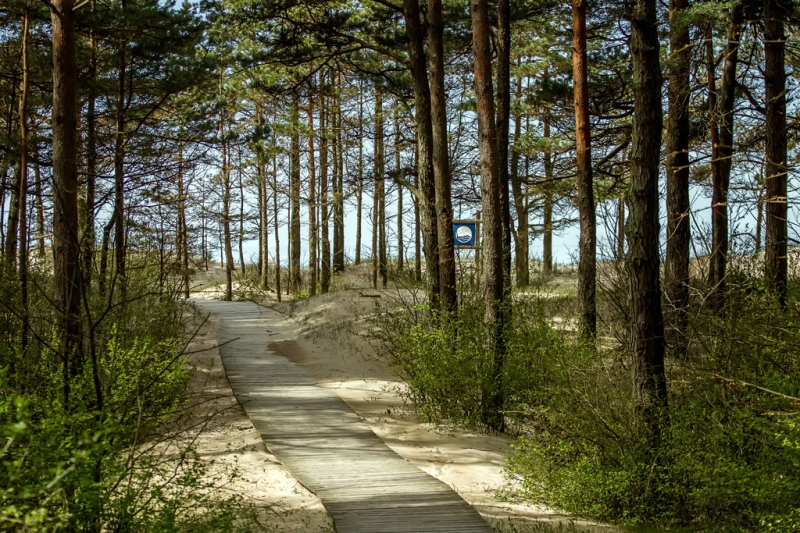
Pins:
x: 449, y: 369
x: 728, y: 457
x: 112, y: 458
x: 730, y: 451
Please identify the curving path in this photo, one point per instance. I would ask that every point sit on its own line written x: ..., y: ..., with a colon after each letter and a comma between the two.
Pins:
x: 365, y: 486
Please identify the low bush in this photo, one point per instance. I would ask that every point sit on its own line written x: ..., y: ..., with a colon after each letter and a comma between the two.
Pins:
x: 728, y: 456
x: 111, y: 459
x: 448, y: 370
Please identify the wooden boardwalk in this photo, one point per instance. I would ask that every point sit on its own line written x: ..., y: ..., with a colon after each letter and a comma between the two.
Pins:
x: 365, y: 486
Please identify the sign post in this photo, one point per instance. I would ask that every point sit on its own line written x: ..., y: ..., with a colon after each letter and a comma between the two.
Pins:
x: 467, y: 236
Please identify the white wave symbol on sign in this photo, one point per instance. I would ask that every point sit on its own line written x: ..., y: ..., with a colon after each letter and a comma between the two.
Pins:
x: 463, y: 234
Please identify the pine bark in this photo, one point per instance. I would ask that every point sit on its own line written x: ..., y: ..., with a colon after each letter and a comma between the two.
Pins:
x: 375, y: 231
x: 417, y: 237
x: 642, y: 230
x: 493, y: 290
x: 294, y: 226
x: 23, y: 183
x: 4, y: 174
x: 520, y: 204
x: 325, y: 270
x: 312, y: 202
x: 713, y: 127
x: 338, y: 194
x: 12, y: 227
x: 39, y: 208
x: 503, y: 119
x: 66, y: 247
x: 263, y: 205
x: 119, y: 168
x: 441, y: 161
x: 676, y: 268
x: 547, y: 222
x: 183, y: 233
x: 426, y: 184
x: 775, y: 271
x: 275, y: 225
x: 587, y: 265
x: 380, y: 186
x: 88, y: 239
x: 360, y: 185
x: 242, y: 264
x: 719, y: 200
x: 397, y: 149
x: 227, y: 243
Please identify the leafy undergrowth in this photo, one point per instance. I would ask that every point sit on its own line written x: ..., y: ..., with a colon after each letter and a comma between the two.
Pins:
x: 728, y: 454
x: 95, y: 448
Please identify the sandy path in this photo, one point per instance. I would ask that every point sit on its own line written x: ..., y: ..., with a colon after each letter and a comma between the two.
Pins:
x: 232, y: 444
x: 329, y: 341
x: 364, y: 485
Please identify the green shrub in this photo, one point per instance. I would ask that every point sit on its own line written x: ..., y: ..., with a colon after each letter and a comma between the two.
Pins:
x: 728, y: 457
x: 450, y: 371
x: 111, y: 459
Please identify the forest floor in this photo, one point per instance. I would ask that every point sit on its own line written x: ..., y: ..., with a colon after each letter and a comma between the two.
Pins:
x: 331, y: 341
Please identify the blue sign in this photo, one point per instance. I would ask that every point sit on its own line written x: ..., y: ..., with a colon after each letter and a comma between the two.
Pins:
x: 464, y: 234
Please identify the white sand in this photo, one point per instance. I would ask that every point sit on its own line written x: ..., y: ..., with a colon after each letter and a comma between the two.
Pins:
x: 329, y: 342
x: 232, y: 444
x: 328, y: 339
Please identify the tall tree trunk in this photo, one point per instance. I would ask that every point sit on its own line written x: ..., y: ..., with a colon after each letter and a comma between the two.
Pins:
x: 714, y: 132
x: 312, y: 202
x: 360, y: 186
x: 264, y: 204
x: 276, y: 225
x: 547, y: 222
x: 39, y: 207
x: 621, y: 228
x: 380, y: 185
x: 338, y: 196
x: 88, y: 239
x: 775, y: 271
x: 397, y: 162
x: 719, y: 200
x: 325, y: 273
x: 441, y: 160
x: 676, y: 269
x: 12, y: 229
x: 66, y: 248
x: 104, y: 255
x: 587, y: 265
x: 183, y: 230
x: 227, y: 243
x: 520, y: 204
x: 23, y: 184
x: 759, y: 215
x: 503, y: 118
x: 289, y: 251
x: 241, y: 215
x: 119, y: 168
x: 417, y: 237
x: 4, y: 185
x: 294, y: 240
x: 376, y: 201
x: 375, y: 231
x: 335, y: 178
x: 492, y: 216
x: 642, y: 261
x: 422, y: 109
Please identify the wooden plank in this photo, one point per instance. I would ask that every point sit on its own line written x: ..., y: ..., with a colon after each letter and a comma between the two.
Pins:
x: 365, y: 486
